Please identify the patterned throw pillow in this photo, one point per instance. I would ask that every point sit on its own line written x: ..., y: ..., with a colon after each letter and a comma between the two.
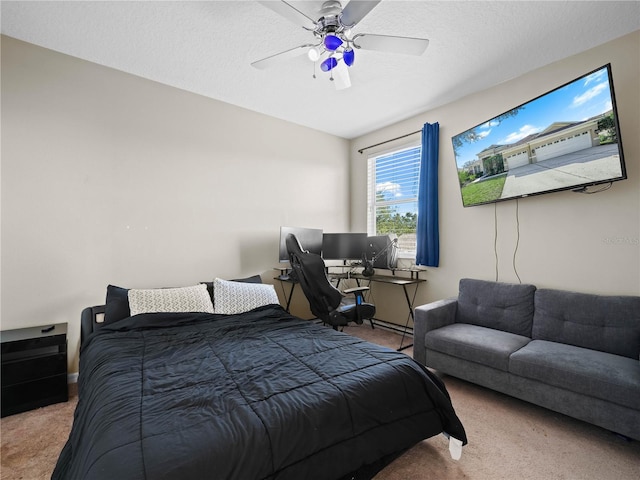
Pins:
x: 184, y: 299
x: 236, y: 297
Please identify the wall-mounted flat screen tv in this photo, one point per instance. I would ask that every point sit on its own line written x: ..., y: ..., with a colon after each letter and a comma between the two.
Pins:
x: 565, y: 139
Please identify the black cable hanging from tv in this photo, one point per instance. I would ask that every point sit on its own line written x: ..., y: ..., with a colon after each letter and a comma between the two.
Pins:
x: 495, y: 240
x: 515, y: 250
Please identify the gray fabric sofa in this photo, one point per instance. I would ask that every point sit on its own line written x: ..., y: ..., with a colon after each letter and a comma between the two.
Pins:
x: 574, y: 353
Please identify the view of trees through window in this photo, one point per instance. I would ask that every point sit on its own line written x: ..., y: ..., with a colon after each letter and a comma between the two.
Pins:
x: 393, y: 196
x: 389, y: 220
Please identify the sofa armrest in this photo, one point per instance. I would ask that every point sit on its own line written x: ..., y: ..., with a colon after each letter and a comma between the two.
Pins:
x: 429, y: 317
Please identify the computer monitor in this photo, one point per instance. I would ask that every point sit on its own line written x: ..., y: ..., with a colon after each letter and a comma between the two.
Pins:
x: 344, y: 246
x: 309, y: 238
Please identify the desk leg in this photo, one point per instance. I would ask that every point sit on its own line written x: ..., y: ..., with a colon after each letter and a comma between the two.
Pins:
x: 293, y: 285
x: 410, y: 316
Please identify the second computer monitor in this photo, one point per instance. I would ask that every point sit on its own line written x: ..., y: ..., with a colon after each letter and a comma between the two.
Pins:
x: 343, y: 246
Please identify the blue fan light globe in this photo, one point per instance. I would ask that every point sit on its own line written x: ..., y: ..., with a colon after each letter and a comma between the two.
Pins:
x: 328, y: 64
x: 331, y: 42
x: 348, y: 56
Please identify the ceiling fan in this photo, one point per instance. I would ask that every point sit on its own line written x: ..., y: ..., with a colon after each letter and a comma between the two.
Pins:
x: 334, y: 44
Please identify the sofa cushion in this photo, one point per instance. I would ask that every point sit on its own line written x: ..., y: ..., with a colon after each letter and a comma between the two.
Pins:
x: 589, y: 372
x: 502, y: 306
x: 605, y: 323
x: 478, y: 344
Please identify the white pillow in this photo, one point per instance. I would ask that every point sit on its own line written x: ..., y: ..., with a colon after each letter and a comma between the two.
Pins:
x: 184, y: 299
x: 238, y: 297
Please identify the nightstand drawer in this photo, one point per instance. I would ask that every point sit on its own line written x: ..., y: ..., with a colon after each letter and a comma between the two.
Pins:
x: 32, y: 347
x: 34, y: 367
x: 37, y: 393
x: 21, y: 371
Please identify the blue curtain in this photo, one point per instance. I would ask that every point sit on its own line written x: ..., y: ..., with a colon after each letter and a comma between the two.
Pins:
x: 428, y: 237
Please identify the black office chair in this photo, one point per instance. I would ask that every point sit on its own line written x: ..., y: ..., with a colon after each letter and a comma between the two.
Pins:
x: 327, y: 302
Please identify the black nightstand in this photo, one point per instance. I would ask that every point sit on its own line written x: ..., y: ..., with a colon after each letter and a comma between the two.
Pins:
x: 34, y: 367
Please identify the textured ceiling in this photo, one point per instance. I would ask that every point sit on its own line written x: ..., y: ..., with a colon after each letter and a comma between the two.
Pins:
x: 207, y: 48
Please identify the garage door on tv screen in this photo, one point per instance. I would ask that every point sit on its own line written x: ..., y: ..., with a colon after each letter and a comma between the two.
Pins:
x: 565, y: 139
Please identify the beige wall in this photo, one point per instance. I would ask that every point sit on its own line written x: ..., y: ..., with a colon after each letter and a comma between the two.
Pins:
x: 111, y: 178
x: 588, y: 243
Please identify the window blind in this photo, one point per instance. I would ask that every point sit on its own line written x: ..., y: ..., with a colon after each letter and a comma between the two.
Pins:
x: 393, y: 180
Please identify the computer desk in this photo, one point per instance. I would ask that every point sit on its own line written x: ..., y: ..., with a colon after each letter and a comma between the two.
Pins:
x: 391, y: 280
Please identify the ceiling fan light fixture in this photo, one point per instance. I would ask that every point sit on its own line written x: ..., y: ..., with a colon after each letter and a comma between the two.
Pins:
x: 328, y: 64
x: 332, y: 42
x: 348, y: 56
x: 334, y: 39
x: 314, y: 54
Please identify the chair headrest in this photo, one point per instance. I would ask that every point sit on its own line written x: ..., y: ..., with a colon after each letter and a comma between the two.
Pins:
x: 293, y: 244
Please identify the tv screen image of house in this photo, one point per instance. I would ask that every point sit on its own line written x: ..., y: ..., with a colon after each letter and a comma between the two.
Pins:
x: 344, y: 246
x: 309, y: 238
x: 567, y: 138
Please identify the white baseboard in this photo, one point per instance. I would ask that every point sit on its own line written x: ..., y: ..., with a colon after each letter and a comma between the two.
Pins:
x: 72, y: 377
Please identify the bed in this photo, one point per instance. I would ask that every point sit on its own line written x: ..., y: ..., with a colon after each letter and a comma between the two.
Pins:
x: 258, y: 394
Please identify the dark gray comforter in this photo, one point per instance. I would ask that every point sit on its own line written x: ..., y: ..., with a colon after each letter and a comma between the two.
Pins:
x: 260, y: 395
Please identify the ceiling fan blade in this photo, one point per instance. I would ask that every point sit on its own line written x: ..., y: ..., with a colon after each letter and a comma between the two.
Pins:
x: 280, y: 57
x: 341, y: 76
x: 391, y: 44
x: 356, y: 10
x: 291, y: 13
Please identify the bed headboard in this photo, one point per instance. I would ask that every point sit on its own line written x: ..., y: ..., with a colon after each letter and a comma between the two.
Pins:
x: 91, y: 319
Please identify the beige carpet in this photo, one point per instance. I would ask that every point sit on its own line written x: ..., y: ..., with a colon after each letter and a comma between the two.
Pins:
x: 508, y: 439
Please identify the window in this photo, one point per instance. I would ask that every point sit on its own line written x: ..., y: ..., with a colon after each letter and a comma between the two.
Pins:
x: 392, y: 203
